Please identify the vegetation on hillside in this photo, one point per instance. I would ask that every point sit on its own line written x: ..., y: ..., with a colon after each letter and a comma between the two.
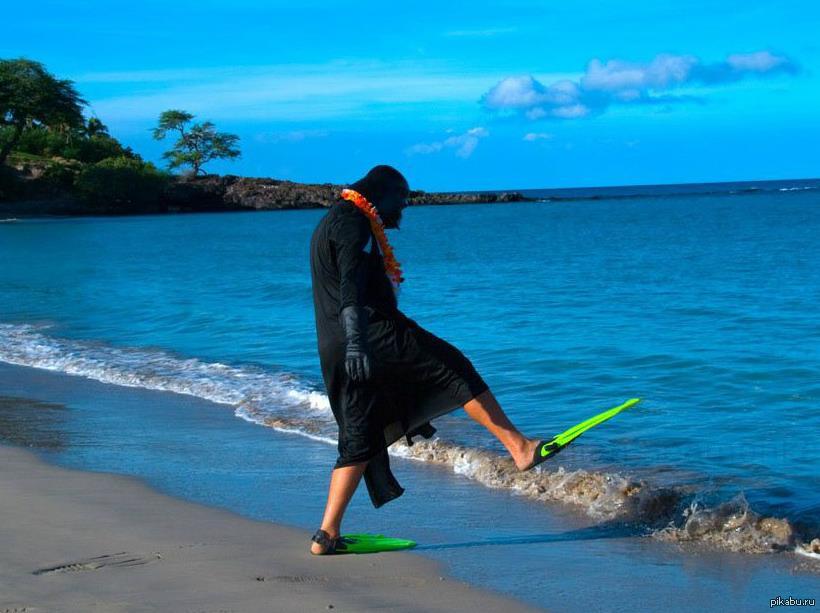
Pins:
x: 48, y: 147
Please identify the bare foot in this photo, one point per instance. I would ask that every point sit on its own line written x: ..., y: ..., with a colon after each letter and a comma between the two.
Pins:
x: 316, y: 548
x: 523, y: 457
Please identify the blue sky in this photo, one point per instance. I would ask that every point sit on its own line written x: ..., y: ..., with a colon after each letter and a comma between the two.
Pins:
x: 457, y: 95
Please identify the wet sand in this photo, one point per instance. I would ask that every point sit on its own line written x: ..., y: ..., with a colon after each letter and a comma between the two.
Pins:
x: 72, y: 540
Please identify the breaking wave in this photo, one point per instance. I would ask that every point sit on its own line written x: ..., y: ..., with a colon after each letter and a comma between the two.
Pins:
x: 283, y: 402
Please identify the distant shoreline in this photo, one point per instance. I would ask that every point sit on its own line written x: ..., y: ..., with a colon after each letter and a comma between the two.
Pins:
x: 661, y: 190
x: 232, y: 193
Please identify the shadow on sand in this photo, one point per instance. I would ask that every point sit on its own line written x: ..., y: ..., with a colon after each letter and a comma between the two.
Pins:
x: 602, y: 531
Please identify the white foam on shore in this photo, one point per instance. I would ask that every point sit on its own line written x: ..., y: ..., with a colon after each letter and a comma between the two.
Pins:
x: 810, y: 550
x: 282, y: 402
x: 254, y: 392
x: 732, y: 525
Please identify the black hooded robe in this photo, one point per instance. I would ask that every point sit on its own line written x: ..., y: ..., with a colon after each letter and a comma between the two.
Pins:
x: 418, y: 376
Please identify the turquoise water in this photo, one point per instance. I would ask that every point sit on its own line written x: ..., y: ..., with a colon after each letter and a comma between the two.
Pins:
x: 705, y: 307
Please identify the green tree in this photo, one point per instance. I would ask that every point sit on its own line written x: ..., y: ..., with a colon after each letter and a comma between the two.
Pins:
x: 196, y: 145
x: 31, y: 96
x: 95, y: 127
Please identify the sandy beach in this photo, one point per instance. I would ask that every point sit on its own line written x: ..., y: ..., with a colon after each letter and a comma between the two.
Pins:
x: 84, y: 541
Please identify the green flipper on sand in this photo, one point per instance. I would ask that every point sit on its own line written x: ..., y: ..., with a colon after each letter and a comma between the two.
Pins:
x: 373, y: 543
x: 559, y: 441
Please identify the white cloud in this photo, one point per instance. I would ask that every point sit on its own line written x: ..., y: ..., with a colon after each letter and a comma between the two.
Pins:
x: 534, y: 136
x: 293, y: 136
x: 560, y: 99
x: 760, y: 61
x: 616, y: 75
x: 622, y: 82
x: 535, y: 113
x: 464, y: 144
x: 571, y: 111
x: 515, y: 92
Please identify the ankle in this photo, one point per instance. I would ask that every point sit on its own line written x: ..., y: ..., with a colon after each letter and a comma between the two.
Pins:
x: 520, y: 446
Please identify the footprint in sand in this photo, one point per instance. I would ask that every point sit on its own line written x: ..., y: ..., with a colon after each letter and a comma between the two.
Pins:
x: 293, y: 579
x: 121, y: 559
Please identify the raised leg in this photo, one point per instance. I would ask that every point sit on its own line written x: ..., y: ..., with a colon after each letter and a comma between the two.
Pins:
x: 343, y: 483
x: 485, y: 409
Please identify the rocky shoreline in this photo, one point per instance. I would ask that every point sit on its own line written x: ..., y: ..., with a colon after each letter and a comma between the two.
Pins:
x: 209, y: 193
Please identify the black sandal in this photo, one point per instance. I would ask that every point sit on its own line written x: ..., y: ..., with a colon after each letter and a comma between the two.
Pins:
x: 332, y: 545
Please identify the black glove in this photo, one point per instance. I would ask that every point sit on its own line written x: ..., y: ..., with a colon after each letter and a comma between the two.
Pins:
x: 358, y: 363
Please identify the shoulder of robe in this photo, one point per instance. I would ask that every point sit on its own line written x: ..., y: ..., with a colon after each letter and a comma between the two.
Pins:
x: 349, y: 225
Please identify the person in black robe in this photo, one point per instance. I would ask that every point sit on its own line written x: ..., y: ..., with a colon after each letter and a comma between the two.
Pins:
x: 386, y: 376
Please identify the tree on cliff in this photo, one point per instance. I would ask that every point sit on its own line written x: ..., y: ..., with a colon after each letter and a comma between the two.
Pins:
x: 95, y: 127
x: 32, y: 97
x: 197, y: 145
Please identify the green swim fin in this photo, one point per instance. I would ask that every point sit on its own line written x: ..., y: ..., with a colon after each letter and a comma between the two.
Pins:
x: 547, y: 449
x: 372, y: 543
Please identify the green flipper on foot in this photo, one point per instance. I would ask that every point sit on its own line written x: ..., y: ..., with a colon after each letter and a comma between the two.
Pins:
x: 548, y: 449
x: 358, y: 543
x: 374, y: 543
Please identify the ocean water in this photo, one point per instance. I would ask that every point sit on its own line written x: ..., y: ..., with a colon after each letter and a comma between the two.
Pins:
x: 703, y: 305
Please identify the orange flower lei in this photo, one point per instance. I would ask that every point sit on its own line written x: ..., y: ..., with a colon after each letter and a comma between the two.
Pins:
x: 391, y: 264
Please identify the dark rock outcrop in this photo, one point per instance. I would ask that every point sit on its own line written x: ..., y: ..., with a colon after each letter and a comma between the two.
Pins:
x: 32, y: 197
x: 466, y: 197
x: 230, y: 192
